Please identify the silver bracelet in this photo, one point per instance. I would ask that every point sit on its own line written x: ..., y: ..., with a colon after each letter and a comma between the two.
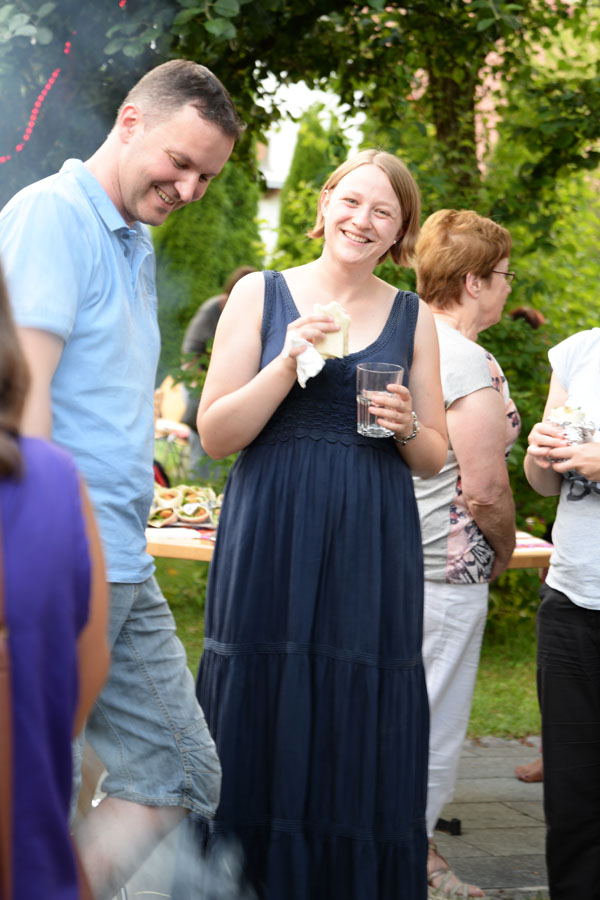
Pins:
x: 415, y: 431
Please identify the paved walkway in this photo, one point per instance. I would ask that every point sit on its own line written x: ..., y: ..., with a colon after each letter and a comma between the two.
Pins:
x: 501, y: 847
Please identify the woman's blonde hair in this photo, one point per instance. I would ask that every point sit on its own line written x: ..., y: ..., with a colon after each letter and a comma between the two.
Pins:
x: 405, y: 189
x: 451, y: 244
x: 14, y: 382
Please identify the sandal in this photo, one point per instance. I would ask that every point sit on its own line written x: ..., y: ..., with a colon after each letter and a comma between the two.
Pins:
x: 450, y: 886
x: 443, y: 891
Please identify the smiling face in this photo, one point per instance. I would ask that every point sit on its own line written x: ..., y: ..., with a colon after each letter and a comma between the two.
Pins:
x: 362, y: 216
x: 166, y: 165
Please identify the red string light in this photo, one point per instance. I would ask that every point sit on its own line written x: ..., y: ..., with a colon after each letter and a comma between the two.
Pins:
x: 40, y: 99
x: 36, y: 108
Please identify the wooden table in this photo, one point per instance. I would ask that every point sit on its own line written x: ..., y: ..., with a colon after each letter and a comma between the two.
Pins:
x: 180, y: 543
x: 530, y: 553
x: 187, y: 543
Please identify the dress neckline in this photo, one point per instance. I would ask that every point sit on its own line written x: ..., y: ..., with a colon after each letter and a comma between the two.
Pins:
x: 383, y: 334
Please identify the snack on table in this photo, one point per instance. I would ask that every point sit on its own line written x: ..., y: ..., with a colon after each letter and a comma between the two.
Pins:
x: 193, y: 513
x: 161, y: 516
x: 184, y: 504
x: 168, y: 497
x: 577, y: 427
x: 195, y: 494
x: 335, y: 343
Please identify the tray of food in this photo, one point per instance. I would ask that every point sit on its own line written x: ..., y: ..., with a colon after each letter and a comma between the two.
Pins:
x: 185, y: 506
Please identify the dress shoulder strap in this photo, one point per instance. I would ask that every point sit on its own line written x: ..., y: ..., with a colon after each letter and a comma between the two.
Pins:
x: 269, y: 303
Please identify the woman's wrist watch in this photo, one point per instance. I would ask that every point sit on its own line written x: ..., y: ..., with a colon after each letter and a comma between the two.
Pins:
x: 415, y: 431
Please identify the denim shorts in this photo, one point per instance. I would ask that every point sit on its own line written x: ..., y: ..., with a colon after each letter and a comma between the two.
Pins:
x: 147, y: 726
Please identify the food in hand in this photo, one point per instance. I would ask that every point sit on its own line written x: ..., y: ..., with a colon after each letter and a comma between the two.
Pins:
x: 161, y: 516
x: 335, y: 343
x: 193, y: 513
x: 577, y: 427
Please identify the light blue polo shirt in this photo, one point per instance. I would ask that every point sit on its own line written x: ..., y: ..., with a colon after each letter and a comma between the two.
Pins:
x: 74, y: 268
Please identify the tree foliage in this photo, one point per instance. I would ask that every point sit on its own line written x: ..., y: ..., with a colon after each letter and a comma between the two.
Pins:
x: 78, y: 111
x: 447, y: 56
x: 320, y: 148
x: 423, y: 62
x: 198, y: 248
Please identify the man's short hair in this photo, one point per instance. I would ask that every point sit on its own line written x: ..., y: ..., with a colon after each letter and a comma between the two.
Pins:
x: 179, y: 82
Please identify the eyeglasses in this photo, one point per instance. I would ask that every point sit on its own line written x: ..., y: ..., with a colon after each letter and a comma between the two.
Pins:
x: 508, y: 275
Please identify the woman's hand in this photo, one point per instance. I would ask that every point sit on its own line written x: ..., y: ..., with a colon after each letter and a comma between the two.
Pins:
x: 546, y: 444
x: 393, y: 408
x: 583, y: 458
x: 549, y: 448
x: 310, y: 328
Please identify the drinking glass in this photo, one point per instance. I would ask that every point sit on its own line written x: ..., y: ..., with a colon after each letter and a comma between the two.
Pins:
x: 373, y: 377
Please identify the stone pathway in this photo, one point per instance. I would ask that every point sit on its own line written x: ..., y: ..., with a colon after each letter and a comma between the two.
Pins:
x: 501, y: 846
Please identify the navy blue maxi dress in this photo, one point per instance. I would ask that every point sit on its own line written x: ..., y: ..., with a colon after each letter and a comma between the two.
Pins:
x: 311, y: 678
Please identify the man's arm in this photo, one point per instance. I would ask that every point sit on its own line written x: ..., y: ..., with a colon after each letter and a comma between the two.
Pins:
x: 477, y: 431
x: 42, y: 351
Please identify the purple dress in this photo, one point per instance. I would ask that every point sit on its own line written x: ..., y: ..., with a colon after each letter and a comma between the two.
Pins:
x: 46, y: 591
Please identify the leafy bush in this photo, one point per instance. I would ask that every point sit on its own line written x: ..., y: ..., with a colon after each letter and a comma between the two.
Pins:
x: 319, y: 150
x: 196, y: 250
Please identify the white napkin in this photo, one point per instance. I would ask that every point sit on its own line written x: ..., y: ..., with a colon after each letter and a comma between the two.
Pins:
x: 308, y: 363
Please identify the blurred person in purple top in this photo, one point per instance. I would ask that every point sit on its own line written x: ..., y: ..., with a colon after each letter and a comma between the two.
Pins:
x: 56, y: 611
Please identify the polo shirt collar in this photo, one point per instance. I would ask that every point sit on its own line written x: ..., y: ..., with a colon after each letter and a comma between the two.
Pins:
x: 96, y: 194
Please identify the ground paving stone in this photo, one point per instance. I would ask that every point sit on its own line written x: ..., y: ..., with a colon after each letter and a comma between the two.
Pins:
x: 501, y: 847
x: 484, y: 815
x: 498, y: 790
x: 494, y: 746
x: 501, y: 766
x: 509, y: 841
x: 533, y: 809
x: 526, y: 874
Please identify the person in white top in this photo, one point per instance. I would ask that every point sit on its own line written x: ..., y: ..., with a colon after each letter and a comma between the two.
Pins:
x: 568, y: 623
x: 466, y: 511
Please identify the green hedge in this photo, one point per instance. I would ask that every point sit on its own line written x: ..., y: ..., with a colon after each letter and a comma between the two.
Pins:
x: 198, y: 247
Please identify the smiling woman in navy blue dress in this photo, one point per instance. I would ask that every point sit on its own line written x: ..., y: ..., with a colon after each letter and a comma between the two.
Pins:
x: 311, y: 678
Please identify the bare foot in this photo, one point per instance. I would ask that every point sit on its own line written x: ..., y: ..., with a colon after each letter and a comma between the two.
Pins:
x: 441, y: 878
x: 531, y: 772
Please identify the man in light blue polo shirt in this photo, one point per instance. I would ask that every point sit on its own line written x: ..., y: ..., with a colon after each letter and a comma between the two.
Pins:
x: 80, y: 270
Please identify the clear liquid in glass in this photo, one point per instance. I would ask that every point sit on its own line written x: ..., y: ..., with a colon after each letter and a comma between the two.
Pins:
x: 366, y: 422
